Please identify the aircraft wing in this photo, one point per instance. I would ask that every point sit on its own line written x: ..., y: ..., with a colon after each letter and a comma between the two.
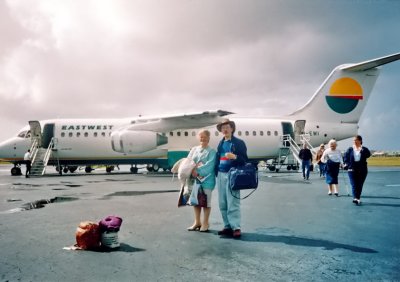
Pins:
x: 180, y: 121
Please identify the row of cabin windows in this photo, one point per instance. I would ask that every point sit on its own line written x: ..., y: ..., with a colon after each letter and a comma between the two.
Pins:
x: 239, y: 133
x: 86, y: 134
x: 178, y: 133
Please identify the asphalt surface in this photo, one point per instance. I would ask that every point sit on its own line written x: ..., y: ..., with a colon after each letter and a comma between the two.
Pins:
x: 292, y: 230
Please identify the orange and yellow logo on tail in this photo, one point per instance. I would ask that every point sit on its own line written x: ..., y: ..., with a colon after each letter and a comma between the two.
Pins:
x: 344, y: 94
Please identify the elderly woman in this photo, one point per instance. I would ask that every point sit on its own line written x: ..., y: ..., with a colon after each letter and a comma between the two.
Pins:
x: 204, y: 157
x: 333, y: 159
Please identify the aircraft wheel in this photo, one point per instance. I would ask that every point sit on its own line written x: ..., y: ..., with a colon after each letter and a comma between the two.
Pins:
x: 134, y: 170
x: 277, y: 170
x: 149, y: 168
x: 72, y: 169
x: 289, y: 167
x: 88, y: 169
x: 14, y: 171
x: 65, y: 169
x: 109, y: 169
x: 271, y: 168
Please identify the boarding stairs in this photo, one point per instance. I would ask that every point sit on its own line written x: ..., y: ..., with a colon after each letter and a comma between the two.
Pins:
x: 40, y: 157
x: 291, y: 149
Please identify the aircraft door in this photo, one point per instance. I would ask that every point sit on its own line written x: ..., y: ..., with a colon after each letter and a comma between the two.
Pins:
x: 36, y: 131
x: 287, y: 129
x: 48, y: 134
x: 299, y: 127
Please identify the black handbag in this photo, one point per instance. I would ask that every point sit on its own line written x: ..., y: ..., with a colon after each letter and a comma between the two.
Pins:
x: 202, y: 198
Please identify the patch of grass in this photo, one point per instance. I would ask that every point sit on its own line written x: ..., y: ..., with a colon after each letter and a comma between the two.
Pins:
x: 384, y: 161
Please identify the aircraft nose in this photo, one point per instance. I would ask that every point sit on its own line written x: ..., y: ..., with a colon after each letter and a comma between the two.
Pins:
x: 5, y: 150
x: 12, y: 149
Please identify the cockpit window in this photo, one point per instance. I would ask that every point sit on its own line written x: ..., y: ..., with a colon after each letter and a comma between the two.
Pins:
x: 24, y: 134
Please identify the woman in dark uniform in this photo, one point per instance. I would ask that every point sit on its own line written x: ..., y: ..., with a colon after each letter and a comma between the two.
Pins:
x: 355, y: 160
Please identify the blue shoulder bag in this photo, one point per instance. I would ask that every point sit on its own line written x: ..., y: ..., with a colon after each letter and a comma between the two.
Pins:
x: 243, y: 177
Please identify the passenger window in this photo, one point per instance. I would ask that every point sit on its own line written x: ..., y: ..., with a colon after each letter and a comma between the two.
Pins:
x: 186, y: 133
x: 240, y: 133
x: 178, y: 133
x: 86, y: 134
x: 193, y: 133
x: 62, y: 134
x: 261, y: 133
x: 254, y: 133
x: 70, y: 134
x: 95, y: 134
x: 269, y: 133
x: 276, y: 133
x: 171, y: 134
x: 78, y: 134
x: 103, y: 134
x: 246, y: 133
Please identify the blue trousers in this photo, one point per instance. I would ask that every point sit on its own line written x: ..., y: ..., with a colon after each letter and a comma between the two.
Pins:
x: 322, y: 169
x: 357, y: 178
x: 305, y: 168
x: 228, y: 205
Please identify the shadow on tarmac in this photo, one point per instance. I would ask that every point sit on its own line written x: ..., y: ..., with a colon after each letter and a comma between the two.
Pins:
x: 299, y: 241
x: 125, y: 248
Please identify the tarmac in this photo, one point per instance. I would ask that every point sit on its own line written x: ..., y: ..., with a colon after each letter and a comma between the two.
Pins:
x: 291, y: 230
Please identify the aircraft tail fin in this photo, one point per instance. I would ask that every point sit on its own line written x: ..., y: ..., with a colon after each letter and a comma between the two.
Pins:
x: 344, y: 94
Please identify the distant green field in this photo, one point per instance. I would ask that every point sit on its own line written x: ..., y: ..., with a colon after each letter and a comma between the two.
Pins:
x: 384, y: 161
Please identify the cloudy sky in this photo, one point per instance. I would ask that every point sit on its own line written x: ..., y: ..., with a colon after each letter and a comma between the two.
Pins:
x: 121, y: 58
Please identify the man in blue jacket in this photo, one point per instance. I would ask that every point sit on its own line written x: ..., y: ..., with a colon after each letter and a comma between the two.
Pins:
x: 231, y: 152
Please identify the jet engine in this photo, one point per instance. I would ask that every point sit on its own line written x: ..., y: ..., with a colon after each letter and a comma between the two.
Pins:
x: 135, y: 142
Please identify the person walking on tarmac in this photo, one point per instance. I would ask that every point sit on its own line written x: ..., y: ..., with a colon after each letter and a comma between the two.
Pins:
x: 27, y: 159
x: 332, y: 157
x: 231, y: 152
x: 319, y: 162
x: 306, y: 157
x: 355, y: 161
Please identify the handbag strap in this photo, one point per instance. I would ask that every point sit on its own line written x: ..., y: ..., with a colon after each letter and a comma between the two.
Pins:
x: 248, y: 195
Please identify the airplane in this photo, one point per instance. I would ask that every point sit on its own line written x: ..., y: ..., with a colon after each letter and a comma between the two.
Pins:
x: 333, y: 112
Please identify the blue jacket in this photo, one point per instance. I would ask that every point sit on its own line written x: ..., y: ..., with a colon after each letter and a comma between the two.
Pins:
x: 349, y: 162
x: 238, y: 148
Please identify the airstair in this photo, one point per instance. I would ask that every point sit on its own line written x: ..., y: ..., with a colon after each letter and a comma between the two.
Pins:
x: 40, y: 157
x: 288, y: 154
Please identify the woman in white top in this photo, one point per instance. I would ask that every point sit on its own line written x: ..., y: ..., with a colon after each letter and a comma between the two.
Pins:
x: 333, y: 159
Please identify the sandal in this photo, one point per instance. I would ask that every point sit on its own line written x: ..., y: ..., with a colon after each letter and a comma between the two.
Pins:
x: 204, y: 229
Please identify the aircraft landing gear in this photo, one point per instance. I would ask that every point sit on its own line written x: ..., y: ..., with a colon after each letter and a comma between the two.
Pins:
x: 109, y: 168
x: 134, y: 169
x: 88, y: 169
x: 16, y: 170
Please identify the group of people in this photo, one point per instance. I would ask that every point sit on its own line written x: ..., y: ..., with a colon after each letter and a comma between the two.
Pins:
x: 330, y: 161
x: 212, y: 167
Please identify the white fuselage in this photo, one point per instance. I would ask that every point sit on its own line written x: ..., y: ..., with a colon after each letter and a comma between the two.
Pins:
x: 88, y: 141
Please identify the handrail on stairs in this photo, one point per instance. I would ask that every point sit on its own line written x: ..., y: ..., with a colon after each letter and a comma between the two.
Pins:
x: 295, y: 148
x: 47, y: 155
x: 34, y: 149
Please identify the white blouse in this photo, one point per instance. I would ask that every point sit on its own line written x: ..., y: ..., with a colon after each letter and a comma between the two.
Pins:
x: 357, y: 153
x: 333, y: 155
